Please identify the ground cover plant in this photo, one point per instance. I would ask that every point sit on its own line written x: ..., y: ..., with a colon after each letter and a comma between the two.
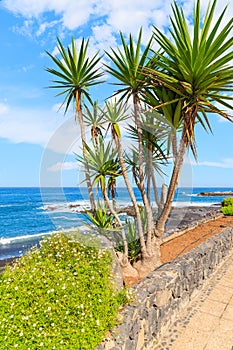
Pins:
x: 227, y: 206
x: 58, y: 297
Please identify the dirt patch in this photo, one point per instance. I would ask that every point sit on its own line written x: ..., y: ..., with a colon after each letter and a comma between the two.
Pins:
x: 180, y: 245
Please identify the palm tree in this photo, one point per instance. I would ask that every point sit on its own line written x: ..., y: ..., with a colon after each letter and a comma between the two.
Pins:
x: 154, y: 134
x: 74, y: 74
x: 128, y: 69
x: 197, y: 68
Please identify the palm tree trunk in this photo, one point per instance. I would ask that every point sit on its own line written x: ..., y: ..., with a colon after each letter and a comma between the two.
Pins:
x: 149, y: 214
x: 82, y: 129
x: 113, y: 192
x: 172, y: 187
x: 114, y: 213
x: 156, y: 195
x: 132, y: 196
x: 174, y: 146
x: 149, y: 176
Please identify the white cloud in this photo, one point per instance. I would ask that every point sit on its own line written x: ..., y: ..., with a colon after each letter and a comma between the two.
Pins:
x: 46, y: 128
x: 59, y: 166
x: 226, y: 163
x: 120, y: 14
x: 104, y: 18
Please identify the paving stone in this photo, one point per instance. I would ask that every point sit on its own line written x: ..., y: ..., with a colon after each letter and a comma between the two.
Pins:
x: 213, y: 307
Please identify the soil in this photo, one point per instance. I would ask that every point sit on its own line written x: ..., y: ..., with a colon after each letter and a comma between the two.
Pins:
x: 178, y: 246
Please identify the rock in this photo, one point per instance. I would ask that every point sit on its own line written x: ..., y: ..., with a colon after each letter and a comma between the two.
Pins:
x: 210, y: 194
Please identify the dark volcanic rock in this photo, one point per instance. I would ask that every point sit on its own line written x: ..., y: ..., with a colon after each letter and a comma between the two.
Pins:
x: 214, y: 194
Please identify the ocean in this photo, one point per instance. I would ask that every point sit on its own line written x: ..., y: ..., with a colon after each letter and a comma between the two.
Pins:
x: 28, y: 214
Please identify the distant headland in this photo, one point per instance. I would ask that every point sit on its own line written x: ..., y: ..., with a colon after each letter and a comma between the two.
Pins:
x: 210, y: 194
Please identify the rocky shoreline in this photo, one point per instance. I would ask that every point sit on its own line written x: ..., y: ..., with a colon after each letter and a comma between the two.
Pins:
x: 214, y: 194
x: 179, y: 219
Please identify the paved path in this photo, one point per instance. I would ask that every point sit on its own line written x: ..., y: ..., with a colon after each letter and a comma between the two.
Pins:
x: 207, y: 324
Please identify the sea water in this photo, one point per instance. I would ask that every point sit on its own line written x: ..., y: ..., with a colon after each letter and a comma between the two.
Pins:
x: 28, y: 214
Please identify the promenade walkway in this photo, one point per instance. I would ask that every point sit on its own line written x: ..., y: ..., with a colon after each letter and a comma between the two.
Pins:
x: 207, y: 323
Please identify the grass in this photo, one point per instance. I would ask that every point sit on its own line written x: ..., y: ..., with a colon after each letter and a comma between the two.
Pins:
x: 60, y: 296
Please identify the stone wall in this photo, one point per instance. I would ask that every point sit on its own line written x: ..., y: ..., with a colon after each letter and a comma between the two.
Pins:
x: 161, y: 296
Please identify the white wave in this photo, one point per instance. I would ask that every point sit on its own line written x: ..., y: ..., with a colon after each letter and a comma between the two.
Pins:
x: 194, y: 204
x: 5, y: 205
x: 76, y: 206
x: 24, y: 238
x: 39, y: 236
x: 4, y: 241
x: 65, y: 218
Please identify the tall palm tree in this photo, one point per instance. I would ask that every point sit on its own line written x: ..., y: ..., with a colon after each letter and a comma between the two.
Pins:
x: 129, y: 64
x: 74, y: 74
x: 198, y: 69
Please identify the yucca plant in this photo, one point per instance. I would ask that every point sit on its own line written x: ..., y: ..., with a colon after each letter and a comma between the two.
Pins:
x: 128, y: 69
x: 93, y: 118
x: 197, y: 69
x: 103, y: 164
x: 75, y: 73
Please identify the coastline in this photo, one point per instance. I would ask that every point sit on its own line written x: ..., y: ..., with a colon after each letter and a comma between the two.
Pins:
x: 180, y: 219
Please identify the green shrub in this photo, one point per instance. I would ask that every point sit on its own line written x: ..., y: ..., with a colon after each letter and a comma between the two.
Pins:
x: 227, y: 201
x: 58, y: 297
x: 227, y: 210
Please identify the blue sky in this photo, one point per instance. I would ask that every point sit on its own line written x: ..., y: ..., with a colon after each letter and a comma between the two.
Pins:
x: 35, y: 140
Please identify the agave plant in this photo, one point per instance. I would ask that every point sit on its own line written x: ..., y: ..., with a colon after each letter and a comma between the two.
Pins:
x: 100, y: 219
